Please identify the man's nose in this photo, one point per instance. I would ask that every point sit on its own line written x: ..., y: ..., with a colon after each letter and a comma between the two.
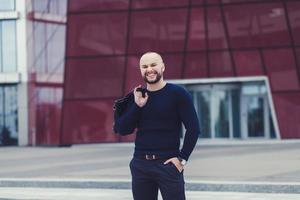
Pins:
x: 149, y: 69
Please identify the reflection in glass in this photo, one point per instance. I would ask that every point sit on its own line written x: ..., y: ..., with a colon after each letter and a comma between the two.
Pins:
x: 257, y: 25
x: 49, y: 48
x: 8, y: 115
x: 203, y: 111
x: 220, y: 115
x: 39, y: 60
x: 1, y: 113
x: 272, y: 129
x: 1, y: 56
x: 215, y: 28
x: 255, y: 114
x: 254, y: 89
x: 58, y: 7
x: 294, y: 17
x: 8, y: 37
x: 48, y: 114
x: 235, y: 102
x: 97, y: 34
x: 55, y: 48
x: 196, y: 38
x: 167, y: 32
x: 6, y: 5
x: 233, y: 110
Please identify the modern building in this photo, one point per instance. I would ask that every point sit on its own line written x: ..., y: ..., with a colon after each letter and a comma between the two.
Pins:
x: 64, y: 62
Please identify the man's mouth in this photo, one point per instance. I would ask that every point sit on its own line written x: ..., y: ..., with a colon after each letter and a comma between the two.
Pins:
x: 151, y: 75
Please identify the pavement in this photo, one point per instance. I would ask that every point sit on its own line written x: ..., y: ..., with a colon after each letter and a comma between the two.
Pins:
x: 220, y: 169
x: 110, y: 194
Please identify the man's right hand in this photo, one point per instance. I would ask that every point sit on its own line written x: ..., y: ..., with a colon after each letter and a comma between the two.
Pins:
x: 139, y: 99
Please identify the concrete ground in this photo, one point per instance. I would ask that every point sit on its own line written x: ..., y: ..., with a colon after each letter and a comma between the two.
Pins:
x: 110, y: 194
x: 233, y: 167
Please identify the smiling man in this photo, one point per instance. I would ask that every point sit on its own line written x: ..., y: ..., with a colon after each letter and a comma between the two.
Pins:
x: 158, y: 161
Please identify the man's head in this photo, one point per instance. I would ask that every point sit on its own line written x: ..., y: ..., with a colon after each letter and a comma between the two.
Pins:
x: 152, y: 67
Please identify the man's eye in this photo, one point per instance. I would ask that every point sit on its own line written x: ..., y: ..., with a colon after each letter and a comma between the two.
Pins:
x: 153, y: 65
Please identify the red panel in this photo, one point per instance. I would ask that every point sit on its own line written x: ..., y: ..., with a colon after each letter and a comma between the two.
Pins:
x: 198, y: 2
x: 281, y: 69
x: 294, y: 16
x: 298, y: 57
x: 48, y: 115
x: 212, y: 2
x: 96, y: 5
x: 157, y: 4
x: 97, y: 34
x: 257, y: 25
x: 88, y: 121
x: 216, y: 33
x: 196, y: 39
x: 162, y: 30
x: 220, y: 64
x: 248, y: 63
x: 247, y: 1
x: 288, y: 114
x: 95, y: 77
x: 173, y: 65
x: 195, y: 65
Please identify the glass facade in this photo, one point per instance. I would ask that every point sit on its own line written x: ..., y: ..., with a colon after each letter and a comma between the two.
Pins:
x: 8, y: 115
x: 239, y: 110
x: 7, y: 5
x: 56, y: 7
x: 8, y: 48
x: 8, y: 65
x: 196, y: 38
x: 46, y: 54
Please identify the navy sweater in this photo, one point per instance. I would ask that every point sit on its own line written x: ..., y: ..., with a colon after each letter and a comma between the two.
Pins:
x: 158, y: 123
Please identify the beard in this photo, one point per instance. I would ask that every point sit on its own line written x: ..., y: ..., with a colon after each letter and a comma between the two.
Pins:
x: 157, y: 79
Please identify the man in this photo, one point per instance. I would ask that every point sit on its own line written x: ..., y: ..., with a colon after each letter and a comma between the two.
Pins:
x: 158, y: 162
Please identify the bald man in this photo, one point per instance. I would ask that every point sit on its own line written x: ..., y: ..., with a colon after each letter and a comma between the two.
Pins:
x: 158, y: 162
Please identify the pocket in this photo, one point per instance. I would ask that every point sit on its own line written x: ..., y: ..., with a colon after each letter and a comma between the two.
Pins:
x: 175, y: 168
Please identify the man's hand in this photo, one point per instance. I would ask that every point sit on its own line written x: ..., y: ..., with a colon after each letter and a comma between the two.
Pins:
x: 176, y: 162
x: 138, y: 98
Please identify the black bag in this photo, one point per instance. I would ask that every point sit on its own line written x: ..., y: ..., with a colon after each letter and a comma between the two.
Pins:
x: 120, y: 106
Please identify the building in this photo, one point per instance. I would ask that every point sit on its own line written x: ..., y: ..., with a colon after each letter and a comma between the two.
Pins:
x: 64, y: 62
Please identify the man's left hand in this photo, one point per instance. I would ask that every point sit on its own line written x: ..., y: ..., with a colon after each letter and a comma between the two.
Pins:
x: 175, y: 162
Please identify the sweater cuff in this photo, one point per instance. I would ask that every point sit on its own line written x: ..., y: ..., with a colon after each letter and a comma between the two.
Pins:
x: 183, y: 156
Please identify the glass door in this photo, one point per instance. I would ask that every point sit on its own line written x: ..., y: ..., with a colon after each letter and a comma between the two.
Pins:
x: 220, y: 113
x: 237, y: 110
x: 213, y: 104
x: 255, y: 117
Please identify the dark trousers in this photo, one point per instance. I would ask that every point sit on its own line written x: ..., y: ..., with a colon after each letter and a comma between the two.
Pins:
x: 150, y: 175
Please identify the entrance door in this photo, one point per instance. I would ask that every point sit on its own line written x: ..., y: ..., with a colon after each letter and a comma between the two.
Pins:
x: 213, y: 104
x: 255, y: 116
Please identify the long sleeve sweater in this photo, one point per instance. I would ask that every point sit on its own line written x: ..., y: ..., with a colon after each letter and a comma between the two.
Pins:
x: 159, y: 123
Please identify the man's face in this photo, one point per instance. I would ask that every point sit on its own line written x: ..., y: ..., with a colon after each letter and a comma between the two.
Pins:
x: 152, y: 68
